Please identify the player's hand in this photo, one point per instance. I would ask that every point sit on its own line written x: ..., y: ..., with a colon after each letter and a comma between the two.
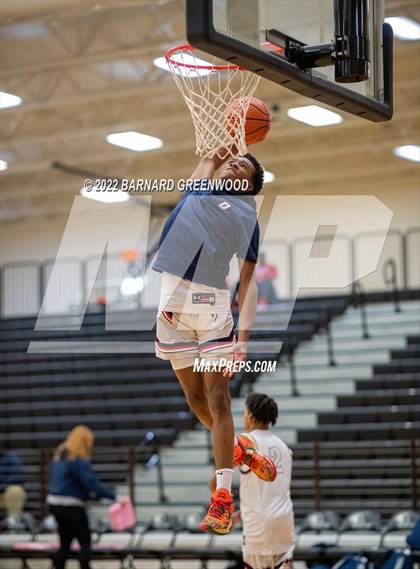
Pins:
x: 236, y: 518
x: 239, y: 355
x: 223, y: 153
x: 240, y: 351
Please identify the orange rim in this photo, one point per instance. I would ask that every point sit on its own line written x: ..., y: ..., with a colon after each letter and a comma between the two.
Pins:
x: 181, y: 48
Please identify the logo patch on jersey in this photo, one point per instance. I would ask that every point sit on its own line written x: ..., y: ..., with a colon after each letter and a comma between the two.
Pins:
x: 204, y: 297
x: 224, y: 205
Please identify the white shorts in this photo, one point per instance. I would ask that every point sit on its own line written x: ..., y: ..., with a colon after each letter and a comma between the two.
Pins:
x: 252, y: 561
x: 182, y: 338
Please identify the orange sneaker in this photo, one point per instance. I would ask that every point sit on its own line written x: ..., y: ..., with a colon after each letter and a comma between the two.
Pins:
x: 218, y: 519
x: 246, y: 453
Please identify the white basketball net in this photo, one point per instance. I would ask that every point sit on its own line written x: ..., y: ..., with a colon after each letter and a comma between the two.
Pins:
x: 218, y: 98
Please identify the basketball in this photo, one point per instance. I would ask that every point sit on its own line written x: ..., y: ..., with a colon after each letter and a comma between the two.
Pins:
x: 257, y: 123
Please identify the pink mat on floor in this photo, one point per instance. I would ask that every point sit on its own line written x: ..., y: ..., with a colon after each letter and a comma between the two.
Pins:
x: 35, y: 546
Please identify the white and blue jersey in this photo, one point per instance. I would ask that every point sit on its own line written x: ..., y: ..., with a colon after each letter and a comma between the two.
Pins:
x: 204, y: 231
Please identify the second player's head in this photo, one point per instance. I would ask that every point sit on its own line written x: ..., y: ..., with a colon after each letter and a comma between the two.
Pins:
x: 244, y: 167
x: 261, y: 412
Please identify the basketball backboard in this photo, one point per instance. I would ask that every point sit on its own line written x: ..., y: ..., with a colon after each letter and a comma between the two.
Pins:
x: 334, y: 51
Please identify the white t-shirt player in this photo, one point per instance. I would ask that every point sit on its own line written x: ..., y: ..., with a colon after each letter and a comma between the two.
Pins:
x: 266, y: 509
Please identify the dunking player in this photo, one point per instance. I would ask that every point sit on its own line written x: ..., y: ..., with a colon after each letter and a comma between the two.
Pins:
x: 266, y: 509
x: 199, y: 239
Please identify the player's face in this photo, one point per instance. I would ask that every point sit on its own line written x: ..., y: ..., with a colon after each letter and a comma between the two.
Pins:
x: 238, y: 169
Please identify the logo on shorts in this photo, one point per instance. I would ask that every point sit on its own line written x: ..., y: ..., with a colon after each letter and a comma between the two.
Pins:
x: 204, y: 298
x: 224, y: 205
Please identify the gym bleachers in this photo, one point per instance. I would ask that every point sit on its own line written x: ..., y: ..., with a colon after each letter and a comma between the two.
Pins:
x: 352, y: 430
x: 110, y: 463
x: 121, y: 396
x: 379, y: 418
x: 366, y: 443
x: 364, y: 452
x: 362, y: 411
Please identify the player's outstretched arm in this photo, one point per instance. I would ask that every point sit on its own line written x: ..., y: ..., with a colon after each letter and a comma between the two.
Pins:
x: 247, y: 300
x: 209, y: 164
x: 205, y: 169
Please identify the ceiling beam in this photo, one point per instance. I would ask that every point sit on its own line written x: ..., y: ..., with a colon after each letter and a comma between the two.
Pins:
x: 298, y: 137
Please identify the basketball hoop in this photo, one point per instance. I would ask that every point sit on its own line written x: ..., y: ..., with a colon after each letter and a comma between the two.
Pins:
x: 218, y: 98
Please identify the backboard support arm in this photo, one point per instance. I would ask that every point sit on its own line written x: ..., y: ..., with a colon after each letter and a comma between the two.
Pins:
x: 202, y: 34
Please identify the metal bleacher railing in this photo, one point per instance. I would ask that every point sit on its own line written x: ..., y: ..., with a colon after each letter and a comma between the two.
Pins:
x: 391, y: 280
x: 122, y: 469
x: 105, y: 549
x: 358, y: 296
x: 359, y: 301
x: 23, y: 284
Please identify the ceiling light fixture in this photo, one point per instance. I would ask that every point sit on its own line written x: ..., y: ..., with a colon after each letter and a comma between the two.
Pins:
x: 408, y: 152
x: 404, y: 28
x: 184, y: 71
x: 314, y: 115
x: 8, y: 101
x: 134, y: 141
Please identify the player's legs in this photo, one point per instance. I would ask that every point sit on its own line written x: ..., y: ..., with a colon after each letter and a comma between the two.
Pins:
x: 175, y: 331
x: 218, y: 519
x: 208, y: 395
x: 219, y: 405
x: 197, y: 396
x: 192, y: 383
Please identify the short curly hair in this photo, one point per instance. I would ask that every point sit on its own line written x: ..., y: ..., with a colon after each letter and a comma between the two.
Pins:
x: 262, y: 408
x: 258, y: 176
